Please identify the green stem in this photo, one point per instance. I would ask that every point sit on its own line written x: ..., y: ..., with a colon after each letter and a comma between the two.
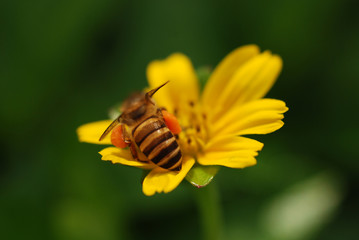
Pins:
x: 210, y: 211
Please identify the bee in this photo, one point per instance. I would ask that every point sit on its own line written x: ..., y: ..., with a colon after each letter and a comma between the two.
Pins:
x: 147, y: 130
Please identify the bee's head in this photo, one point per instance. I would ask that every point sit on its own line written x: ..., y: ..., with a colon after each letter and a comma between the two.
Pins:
x: 138, y: 105
x: 135, y: 99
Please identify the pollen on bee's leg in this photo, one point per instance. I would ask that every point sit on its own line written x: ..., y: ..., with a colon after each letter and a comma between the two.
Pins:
x: 117, y: 137
x: 171, y: 122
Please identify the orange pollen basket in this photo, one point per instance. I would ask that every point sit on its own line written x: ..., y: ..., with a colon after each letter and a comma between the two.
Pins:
x: 171, y: 122
x: 117, y: 137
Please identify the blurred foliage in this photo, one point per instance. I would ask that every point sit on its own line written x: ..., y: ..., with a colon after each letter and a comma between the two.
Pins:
x: 65, y: 63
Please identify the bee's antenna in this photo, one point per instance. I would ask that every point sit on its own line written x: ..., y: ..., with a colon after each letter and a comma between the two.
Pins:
x: 153, y: 91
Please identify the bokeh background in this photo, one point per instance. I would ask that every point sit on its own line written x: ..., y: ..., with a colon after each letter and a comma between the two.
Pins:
x: 66, y: 63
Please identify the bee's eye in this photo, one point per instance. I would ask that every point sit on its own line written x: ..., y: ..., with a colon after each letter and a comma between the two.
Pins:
x: 138, y: 112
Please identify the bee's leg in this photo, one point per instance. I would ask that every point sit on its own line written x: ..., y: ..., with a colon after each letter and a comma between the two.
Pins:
x: 132, y: 146
x: 133, y: 151
x: 136, y: 156
x: 127, y: 139
x: 159, y: 111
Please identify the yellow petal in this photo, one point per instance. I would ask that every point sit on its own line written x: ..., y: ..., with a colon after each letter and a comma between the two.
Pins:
x: 183, y: 86
x: 231, y: 151
x: 265, y: 77
x: 232, y: 143
x: 224, y: 71
x: 236, y: 159
x: 123, y: 156
x: 91, y: 132
x: 257, y: 117
x: 160, y: 180
x: 250, y: 82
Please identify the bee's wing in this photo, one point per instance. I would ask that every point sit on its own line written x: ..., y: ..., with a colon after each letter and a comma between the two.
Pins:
x: 109, y: 128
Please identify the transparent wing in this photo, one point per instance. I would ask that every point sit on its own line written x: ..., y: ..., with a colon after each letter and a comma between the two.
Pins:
x: 110, y: 127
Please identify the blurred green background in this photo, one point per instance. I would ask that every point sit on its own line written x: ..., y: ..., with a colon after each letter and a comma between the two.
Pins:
x: 65, y: 63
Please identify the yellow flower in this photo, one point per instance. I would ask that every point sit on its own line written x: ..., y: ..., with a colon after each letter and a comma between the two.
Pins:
x: 214, y: 122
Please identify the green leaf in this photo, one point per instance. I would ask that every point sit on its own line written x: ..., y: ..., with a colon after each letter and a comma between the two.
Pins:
x: 200, y: 176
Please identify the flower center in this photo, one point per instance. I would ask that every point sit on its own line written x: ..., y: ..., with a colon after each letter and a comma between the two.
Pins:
x: 193, y: 121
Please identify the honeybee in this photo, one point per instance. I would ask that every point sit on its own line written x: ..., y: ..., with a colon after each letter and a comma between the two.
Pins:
x: 142, y: 127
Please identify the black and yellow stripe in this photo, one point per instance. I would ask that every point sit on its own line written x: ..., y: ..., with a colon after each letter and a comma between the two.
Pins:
x: 158, y: 143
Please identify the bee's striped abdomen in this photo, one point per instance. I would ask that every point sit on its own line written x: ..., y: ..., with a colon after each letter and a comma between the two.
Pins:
x: 157, y: 142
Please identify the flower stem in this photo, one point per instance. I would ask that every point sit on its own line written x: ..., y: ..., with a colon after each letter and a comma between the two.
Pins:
x: 210, y: 211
